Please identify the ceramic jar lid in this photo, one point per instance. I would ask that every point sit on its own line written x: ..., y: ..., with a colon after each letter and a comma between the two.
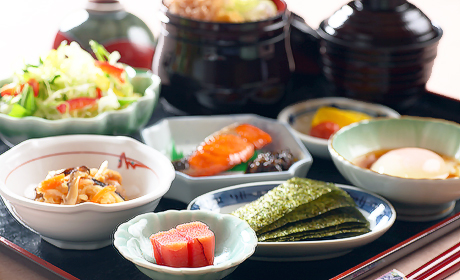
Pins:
x: 379, y: 24
x: 104, y: 5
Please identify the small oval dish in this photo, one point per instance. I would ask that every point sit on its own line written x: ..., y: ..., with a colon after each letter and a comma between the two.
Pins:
x: 122, y: 122
x: 235, y: 242
x: 414, y: 199
x: 379, y: 212
x: 186, y: 133
x: 300, y: 115
x: 146, y: 177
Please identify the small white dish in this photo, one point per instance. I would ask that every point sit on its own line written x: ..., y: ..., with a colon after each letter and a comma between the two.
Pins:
x: 188, y: 132
x: 235, y: 242
x: 146, y: 175
x: 377, y: 210
x: 300, y: 115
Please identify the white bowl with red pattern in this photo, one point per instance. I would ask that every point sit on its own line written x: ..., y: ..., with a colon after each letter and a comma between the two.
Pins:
x: 146, y: 177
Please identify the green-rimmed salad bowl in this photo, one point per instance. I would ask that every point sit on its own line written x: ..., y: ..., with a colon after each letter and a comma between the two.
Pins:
x: 119, y: 122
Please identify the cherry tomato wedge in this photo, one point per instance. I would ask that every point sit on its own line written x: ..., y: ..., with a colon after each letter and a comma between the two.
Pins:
x: 35, y: 86
x: 99, y: 93
x: 324, y: 130
x: 111, y: 70
x: 9, y: 89
x: 75, y: 104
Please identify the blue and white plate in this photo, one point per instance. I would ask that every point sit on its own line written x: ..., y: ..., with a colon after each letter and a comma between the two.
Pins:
x: 379, y: 212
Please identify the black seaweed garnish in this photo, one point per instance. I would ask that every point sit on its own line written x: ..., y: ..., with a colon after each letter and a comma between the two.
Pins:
x: 99, y: 183
x: 83, y: 169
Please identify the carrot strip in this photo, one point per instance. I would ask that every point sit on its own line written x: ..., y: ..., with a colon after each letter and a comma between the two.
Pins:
x: 52, y: 183
x: 102, y: 192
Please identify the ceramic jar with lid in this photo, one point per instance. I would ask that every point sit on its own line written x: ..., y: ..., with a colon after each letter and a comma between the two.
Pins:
x: 305, y: 46
x: 108, y: 23
x: 379, y: 50
x: 218, y: 68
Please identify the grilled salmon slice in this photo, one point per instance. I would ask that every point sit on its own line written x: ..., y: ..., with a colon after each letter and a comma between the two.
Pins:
x: 225, y: 148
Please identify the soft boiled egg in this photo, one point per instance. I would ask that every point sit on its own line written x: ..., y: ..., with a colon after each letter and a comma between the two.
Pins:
x: 413, y: 163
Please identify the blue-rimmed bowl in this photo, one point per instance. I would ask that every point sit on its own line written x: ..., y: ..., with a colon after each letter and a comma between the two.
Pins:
x: 377, y: 210
x: 300, y: 115
x: 235, y: 242
x: 119, y: 122
x: 414, y: 199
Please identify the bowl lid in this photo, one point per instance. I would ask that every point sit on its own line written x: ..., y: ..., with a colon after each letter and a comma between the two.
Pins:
x: 297, y: 22
x: 379, y: 23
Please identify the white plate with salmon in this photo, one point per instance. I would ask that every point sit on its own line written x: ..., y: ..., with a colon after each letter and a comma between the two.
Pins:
x: 212, y: 152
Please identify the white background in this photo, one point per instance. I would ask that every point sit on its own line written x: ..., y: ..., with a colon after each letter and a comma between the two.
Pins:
x: 28, y: 27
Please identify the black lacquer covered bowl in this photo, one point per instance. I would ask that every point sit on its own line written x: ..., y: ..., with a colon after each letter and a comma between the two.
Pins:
x: 379, y: 50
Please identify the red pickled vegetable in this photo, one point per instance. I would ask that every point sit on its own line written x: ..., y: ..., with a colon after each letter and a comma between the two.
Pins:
x: 324, y: 129
x: 201, y: 243
x: 187, y: 245
x: 170, y: 248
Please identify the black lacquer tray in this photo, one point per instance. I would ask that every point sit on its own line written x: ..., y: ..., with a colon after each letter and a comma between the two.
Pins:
x: 107, y: 263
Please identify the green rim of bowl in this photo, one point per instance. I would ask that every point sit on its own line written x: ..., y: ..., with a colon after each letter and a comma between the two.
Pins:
x: 377, y: 129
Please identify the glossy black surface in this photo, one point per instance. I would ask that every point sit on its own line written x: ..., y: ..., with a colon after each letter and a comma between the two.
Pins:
x: 107, y: 263
x: 305, y: 47
x: 218, y: 68
x: 379, y: 51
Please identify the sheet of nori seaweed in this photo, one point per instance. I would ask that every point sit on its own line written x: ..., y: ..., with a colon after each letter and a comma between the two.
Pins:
x: 329, y: 201
x: 329, y: 219
x: 282, y: 200
x: 344, y: 229
x: 323, y: 234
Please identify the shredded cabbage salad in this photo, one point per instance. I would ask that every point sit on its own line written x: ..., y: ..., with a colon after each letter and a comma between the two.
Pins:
x: 252, y: 10
x: 68, y: 83
x: 235, y: 11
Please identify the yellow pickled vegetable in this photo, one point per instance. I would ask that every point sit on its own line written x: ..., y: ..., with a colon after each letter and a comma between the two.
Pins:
x: 338, y: 116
